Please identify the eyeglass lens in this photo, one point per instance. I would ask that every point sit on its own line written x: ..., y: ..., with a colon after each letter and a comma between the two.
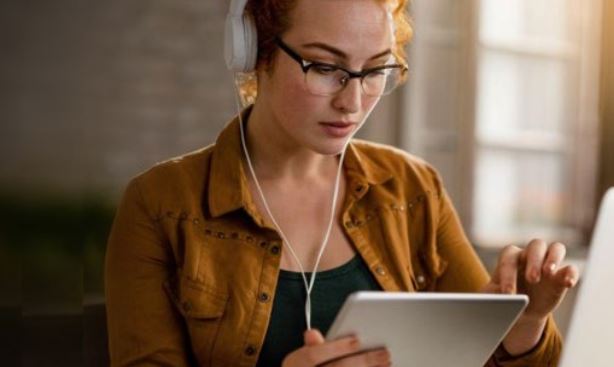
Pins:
x: 327, y: 81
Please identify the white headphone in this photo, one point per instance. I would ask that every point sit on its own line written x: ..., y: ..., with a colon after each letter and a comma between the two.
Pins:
x: 240, y: 38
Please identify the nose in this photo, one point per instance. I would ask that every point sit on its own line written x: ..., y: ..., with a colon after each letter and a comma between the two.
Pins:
x: 349, y: 99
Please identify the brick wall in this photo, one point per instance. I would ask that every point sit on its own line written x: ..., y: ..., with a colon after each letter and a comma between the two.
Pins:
x: 94, y: 92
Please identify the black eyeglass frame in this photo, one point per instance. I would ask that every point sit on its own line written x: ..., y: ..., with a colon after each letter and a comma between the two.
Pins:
x: 307, y: 64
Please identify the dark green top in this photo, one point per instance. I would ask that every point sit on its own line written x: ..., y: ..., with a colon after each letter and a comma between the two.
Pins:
x: 331, y: 288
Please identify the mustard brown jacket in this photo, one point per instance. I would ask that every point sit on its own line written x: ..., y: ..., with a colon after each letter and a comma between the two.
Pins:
x: 191, y: 266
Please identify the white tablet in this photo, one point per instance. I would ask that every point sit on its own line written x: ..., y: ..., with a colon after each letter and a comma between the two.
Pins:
x: 429, y: 329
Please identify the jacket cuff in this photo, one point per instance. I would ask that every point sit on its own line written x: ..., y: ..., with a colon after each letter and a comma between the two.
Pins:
x: 545, y: 353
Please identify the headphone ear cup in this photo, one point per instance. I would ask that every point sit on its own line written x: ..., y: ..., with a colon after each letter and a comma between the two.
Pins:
x: 251, y: 43
x: 240, y: 43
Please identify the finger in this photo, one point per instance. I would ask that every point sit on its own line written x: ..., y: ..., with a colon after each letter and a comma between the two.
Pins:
x: 567, y: 276
x: 507, y: 268
x: 535, y: 254
x: 371, y: 358
x: 313, y: 337
x: 554, y: 257
x: 491, y: 287
x: 320, y: 353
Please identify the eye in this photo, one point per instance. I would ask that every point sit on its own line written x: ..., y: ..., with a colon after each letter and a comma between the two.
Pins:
x: 378, y: 73
x: 324, y: 69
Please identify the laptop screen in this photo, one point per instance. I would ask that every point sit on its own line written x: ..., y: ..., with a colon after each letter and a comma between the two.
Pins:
x: 591, y: 332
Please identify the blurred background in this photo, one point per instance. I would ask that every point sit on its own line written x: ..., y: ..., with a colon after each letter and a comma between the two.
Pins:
x: 512, y: 101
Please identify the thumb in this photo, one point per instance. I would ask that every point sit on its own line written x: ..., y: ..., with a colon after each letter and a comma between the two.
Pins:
x: 313, y: 337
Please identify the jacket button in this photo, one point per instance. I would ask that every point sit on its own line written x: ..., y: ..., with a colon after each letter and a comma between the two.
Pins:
x: 380, y: 270
x: 420, y: 278
x: 250, y: 350
x: 263, y: 244
x: 221, y: 235
x: 263, y: 297
x: 196, y: 221
x: 275, y: 250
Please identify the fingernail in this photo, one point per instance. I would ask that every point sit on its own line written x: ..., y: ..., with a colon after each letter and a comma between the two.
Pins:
x: 382, y: 356
x: 354, y: 342
x: 536, y: 275
x: 569, y: 281
x: 552, y: 268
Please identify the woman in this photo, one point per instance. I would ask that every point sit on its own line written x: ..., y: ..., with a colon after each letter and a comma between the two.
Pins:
x: 205, y: 257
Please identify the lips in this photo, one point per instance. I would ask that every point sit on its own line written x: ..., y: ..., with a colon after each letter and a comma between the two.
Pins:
x: 338, y: 129
x: 337, y: 123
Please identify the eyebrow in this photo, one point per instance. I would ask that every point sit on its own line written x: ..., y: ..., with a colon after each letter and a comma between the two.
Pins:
x: 338, y: 52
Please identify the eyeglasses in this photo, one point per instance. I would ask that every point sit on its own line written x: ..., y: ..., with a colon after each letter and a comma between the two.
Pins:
x: 327, y: 79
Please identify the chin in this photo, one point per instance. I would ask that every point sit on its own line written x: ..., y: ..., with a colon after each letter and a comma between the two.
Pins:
x: 330, y: 149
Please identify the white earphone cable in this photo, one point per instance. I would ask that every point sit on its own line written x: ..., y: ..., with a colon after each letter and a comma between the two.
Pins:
x: 308, y: 283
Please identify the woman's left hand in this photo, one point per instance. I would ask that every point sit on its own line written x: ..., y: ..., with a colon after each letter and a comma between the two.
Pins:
x: 537, y: 272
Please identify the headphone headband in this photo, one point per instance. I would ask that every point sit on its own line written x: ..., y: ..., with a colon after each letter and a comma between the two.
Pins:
x: 237, y: 7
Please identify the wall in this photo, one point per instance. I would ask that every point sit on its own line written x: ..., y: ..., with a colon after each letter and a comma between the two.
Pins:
x: 91, y: 93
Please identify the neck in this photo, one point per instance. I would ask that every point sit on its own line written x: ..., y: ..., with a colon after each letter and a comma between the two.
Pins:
x: 276, y: 156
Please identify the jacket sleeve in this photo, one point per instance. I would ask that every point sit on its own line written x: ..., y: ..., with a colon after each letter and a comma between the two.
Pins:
x: 546, y: 353
x: 465, y: 272
x: 143, y: 327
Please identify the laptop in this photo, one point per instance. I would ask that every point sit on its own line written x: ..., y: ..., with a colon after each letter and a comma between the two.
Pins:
x: 590, y: 336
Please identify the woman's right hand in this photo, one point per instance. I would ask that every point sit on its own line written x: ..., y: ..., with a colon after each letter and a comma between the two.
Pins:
x: 337, y: 353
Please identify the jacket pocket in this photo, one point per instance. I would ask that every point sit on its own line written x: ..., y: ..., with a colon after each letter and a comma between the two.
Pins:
x: 202, y: 308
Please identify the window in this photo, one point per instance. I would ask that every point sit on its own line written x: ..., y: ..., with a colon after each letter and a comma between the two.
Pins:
x: 503, y: 101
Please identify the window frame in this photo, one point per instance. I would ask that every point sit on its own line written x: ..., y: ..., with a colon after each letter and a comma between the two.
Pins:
x: 463, y: 143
